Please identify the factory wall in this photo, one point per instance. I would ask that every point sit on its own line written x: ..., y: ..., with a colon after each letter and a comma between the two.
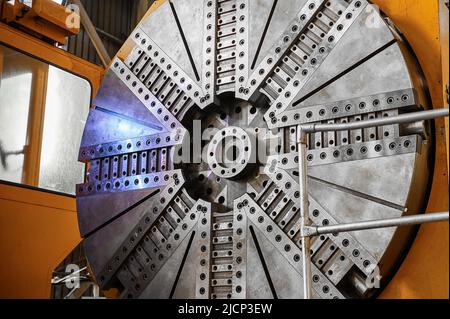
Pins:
x: 114, y: 21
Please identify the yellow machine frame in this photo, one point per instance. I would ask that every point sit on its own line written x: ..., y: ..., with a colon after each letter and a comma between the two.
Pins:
x: 38, y: 229
x: 425, y: 271
x: 45, y: 19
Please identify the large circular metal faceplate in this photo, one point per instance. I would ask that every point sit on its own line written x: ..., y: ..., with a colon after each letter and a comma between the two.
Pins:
x: 222, y: 85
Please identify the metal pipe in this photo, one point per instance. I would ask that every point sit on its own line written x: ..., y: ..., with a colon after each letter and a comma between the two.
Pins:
x: 381, y: 223
x: 400, y: 119
x: 110, y: 36
x: 70, y: 276
x: 304, y: 213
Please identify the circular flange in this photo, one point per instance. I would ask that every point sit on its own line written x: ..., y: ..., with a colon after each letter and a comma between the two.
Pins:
x: 230, y: 152
x: 225, y: 222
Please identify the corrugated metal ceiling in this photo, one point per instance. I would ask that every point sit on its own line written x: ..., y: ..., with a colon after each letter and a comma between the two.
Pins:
x: 114, y: 21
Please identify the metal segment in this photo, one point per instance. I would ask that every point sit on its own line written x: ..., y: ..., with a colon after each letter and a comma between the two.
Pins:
x: 230, y: 226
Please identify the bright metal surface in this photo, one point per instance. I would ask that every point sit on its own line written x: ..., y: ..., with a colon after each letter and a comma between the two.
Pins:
x: 263, y: 67
x: 66, y: 110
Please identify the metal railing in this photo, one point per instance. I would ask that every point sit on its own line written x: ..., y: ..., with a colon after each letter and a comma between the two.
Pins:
x: 307, y: 230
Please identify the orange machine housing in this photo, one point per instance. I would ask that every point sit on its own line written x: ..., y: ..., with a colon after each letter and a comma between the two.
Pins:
x: 424, y: 273
x: 45, y: 19
x: 38, y: 229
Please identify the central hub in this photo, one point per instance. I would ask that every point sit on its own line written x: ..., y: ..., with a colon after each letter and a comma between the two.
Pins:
x: 230, y: 152
x: 231, y: 138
